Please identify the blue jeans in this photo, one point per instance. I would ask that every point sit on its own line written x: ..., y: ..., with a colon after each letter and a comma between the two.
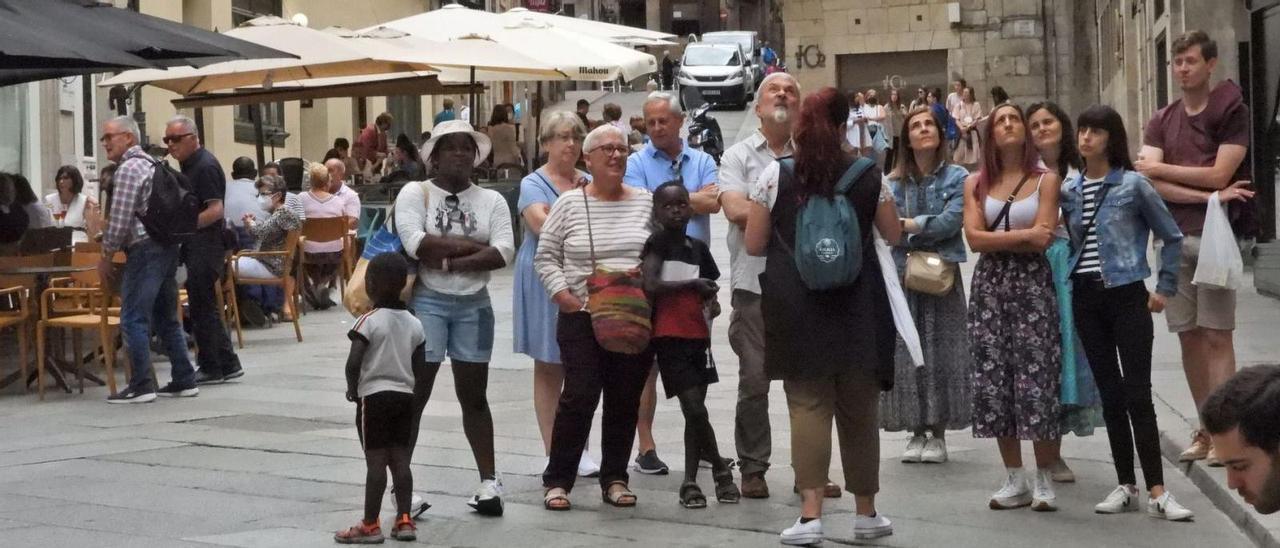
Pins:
x: 150, y: 295
x: 457, y: 326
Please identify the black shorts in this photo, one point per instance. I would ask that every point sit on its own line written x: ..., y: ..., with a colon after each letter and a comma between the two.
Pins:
x: 683, y: 364
x: 385, y: 420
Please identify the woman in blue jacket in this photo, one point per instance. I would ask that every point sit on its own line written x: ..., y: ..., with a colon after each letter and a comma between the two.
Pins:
x: 1111, y: 212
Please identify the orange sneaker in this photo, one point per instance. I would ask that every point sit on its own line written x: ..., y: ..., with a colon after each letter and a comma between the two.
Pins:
x: 404, y: 529
x: 360, y: 533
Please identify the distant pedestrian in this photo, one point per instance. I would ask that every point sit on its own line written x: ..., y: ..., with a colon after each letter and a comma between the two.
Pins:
x: 582, y: 108
x: 668, y: 67
x: 767, y: 54
x: 372, y: 147
x: 387, y: 379
x: 446, y: 113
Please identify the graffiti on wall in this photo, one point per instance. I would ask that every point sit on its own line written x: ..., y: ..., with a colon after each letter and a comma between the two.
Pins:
x: 810, y: 56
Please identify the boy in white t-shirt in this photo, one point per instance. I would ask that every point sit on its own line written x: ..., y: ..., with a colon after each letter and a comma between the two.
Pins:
x: 386, y: 377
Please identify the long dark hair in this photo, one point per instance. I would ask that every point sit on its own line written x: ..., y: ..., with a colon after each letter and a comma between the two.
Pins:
x: 77, y: 180
x: 993, y: 165
x: 406, y: 146
x: 1107, y: 119
x: 1068, y: 154
x: 819, y: 158
x: 499, y: 115
x: 22, y: 193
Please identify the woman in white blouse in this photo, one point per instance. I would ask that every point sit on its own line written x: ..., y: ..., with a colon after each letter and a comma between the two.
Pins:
x: 68, y: 205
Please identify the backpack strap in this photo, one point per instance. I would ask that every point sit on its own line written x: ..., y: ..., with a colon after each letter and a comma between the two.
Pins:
x: 851, y: 175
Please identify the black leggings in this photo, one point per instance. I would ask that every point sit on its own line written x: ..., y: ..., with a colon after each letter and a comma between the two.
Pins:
x: 699, y: 437
x: 470, y: 384
x: 1117, y: 320
x: 375, y: 482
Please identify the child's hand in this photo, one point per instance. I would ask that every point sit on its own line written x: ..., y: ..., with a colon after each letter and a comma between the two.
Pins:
x: 706, y: 288
x: 351, y: 395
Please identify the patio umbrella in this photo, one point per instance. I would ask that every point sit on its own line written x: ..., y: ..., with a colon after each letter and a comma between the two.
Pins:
x: 619, y: 34
x: 413, y: 83
x: 318, y: 54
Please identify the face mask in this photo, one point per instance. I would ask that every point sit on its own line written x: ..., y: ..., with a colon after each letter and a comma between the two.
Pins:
x: 265, y: 202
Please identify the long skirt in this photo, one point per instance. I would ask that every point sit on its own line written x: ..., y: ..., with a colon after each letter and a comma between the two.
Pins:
x: 1017, y: 355
x: 939, y: 393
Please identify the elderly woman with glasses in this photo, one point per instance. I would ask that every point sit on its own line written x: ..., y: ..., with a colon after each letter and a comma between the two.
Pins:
x: 270, y: 233
x: 604, y: 223
x: 534, y: 313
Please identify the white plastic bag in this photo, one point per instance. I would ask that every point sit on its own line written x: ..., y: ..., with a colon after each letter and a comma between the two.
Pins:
x: 898, y: 301
x: 1219, y: 263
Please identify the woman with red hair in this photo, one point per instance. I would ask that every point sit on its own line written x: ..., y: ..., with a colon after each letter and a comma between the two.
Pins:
x: 833, y: 348
x: 1010, y: 210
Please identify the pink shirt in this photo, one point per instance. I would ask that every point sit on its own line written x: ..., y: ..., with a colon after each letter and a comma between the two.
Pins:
x: 333, y: 206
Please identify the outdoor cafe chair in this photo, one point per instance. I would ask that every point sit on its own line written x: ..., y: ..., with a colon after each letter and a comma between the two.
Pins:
x: 329, y: 229
x: 289, y: 280
x: 94, y: 309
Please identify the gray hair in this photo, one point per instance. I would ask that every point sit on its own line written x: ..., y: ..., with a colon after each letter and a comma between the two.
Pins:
x: 599, y: 133
x: 273, y: 184
x: 128, y: 125
x: 775, y: 76
x: 558, y: 121
x: 188, y: 125
x: 672, y: 102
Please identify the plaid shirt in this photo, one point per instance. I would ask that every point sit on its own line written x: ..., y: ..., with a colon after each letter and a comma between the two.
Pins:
x: 131, y: 188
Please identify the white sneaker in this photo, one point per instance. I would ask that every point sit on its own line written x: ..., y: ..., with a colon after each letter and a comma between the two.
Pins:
x: 1167, y: 508
x: 1013, y: 494
x: 488, y: 498
x: 935, y: 451
x: 914, y: 449
x: 802, y: 534
x: 1043, y: 498
x: 1123, y: 499
x: 587, y: 466
x: 869, y: 527
x: 417, y: 506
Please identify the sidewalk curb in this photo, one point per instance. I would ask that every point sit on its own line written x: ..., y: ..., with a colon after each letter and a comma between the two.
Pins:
x: 1223, y: 499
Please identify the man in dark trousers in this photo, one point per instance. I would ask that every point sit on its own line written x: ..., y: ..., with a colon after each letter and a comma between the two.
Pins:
x: 204, y: 254
x: 668, y: 71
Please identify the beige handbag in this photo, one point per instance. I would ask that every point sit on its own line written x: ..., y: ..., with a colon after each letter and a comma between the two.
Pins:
x: 927, y: 272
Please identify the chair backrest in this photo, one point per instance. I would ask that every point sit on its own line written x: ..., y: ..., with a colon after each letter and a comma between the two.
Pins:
x: 87, y: 247
x: 325, y: 229
x: 87, y: 278
x: 38, y: 241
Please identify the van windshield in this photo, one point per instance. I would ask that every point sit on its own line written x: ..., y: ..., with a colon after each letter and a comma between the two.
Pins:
x: 711, y: 57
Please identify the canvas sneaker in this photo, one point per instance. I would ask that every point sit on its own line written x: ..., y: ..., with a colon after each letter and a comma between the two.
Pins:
x: 130, y: 395
x: 915, y: 448
x: 869, y: 527
x: 204, y: 377
x: 417, y: 506
x: 1043, y: 499
x: 935, y: 451
x: 587, y: 466
x: 649, y: 463
x: 1123, y: 499
x: 487, y: 499
x: 802, y: 534
x: 1014, y: 493
x: 1167, y: 508
x: 239, y: 372
x: 1062, y: 473
x: 174, y: 390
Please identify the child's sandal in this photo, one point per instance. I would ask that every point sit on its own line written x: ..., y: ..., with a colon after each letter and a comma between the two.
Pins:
x: 726, y: 490
x: 691, y: 496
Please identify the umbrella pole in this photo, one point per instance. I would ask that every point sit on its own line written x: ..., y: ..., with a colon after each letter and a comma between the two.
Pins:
x: 537, y: 125
x: 255, y: 112
x: 472, y: 90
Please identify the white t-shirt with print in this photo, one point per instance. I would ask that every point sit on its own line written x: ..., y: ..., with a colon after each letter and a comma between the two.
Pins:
x: 477, y: 214
x: 393, y: 336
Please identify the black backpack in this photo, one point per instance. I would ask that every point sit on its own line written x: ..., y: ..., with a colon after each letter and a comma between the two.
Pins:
x: 173, y: 207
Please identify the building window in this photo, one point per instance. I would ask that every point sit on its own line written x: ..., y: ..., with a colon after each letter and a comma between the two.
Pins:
x: 1162, y: 70
x: 272, y: 113
x: 1111, y: 38
x: 13, y: 107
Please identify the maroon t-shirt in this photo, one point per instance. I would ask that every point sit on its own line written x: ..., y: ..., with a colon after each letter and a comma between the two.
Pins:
x: 1193, y: 140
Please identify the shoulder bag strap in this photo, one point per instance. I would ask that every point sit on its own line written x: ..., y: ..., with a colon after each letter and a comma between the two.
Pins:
x: 851, y: 175
x: 1097, y: 207
x: 1008, y: 204
x: 547, y: 182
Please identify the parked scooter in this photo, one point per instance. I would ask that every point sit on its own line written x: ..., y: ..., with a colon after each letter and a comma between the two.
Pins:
x: 704, y: 130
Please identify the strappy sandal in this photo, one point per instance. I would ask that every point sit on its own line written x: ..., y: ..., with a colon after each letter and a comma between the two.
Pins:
x: 557, y: 502
x: 622, y: 498
x: 727, y: 491
x: 691, y: 496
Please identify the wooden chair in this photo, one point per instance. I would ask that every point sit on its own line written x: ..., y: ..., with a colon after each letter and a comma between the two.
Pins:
x: 95, y: 310
x: 19, y: 290
x: 330, y: 229
x: 288, y: 281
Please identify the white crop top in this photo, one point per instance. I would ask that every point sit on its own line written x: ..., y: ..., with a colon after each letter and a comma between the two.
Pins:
x: 1022, y: 214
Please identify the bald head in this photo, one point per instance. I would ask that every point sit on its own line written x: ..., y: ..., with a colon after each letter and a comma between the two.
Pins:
x: 337, y: 173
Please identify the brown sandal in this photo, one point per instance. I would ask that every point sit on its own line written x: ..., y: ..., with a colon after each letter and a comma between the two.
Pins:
x: 621, y: 498
x: 558, y: 502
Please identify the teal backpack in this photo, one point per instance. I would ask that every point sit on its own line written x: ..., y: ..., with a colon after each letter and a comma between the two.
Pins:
x: 828, y: 249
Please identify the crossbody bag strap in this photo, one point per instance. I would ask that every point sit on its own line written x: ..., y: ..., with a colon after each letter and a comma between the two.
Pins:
x: 547, y: 182
x: 1097, y: 208
x: 1008, y: 204
x: 586, y: 204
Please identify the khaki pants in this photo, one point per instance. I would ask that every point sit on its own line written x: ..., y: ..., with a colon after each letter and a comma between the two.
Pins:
x: 853, y: 399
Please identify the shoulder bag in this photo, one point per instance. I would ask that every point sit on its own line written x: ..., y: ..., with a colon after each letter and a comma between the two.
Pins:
x: 927, y: 272
x: 620, y: 310
x: 384, y: 240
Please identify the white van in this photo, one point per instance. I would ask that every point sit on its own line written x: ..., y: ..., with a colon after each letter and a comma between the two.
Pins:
x: 718, y: 71
x: 749, y: 41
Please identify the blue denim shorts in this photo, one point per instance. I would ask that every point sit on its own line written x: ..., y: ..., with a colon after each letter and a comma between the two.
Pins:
x: 457, y: 326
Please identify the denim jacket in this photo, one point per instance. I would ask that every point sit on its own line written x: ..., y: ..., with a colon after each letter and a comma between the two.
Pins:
x: 937, y: 206
x: 1130, y: 212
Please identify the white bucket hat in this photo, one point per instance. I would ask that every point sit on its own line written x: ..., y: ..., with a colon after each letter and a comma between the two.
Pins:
x: 483, y: 145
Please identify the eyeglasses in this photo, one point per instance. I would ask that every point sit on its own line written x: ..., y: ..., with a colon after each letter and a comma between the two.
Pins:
x: 171, y: 139
x: 108, y: 136
x: 612, y: 150
x: 569, y: 137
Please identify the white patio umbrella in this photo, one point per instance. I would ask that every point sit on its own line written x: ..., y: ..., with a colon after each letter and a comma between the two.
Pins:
x: 620, y: 34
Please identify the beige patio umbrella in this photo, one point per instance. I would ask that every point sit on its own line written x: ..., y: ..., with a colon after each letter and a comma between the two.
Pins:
x: 618, y: 34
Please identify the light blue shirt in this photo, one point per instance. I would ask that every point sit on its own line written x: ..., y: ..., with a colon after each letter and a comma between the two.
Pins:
x: 651, y: 167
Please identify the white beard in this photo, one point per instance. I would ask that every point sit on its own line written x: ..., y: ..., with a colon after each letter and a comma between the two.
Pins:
x: 781, y: 115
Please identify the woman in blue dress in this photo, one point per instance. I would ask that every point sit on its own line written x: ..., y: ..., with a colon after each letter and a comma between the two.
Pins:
x: 534, y: 313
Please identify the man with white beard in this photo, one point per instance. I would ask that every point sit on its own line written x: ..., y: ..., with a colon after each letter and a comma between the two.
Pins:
x: 777, y: 105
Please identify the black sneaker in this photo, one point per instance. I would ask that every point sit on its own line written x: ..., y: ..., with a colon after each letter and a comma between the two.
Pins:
x: 130, y: 395
x: 172, y: 390
x: 252, y: 314
x: 239, y: 372
x: 649, y: 463
x: 208, y: 377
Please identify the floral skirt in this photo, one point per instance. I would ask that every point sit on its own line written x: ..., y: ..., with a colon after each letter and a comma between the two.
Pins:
x: 1016, y: 348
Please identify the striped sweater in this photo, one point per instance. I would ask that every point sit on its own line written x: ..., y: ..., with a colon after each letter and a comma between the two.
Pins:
x: 620, y: 229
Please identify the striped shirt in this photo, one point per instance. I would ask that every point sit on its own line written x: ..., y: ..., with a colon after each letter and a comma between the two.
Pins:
x: 131, y: 186
x: 619, y: 228
x: 1089, y: 255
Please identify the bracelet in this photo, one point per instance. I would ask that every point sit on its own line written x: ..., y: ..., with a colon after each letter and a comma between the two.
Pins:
x: 444, y: 264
